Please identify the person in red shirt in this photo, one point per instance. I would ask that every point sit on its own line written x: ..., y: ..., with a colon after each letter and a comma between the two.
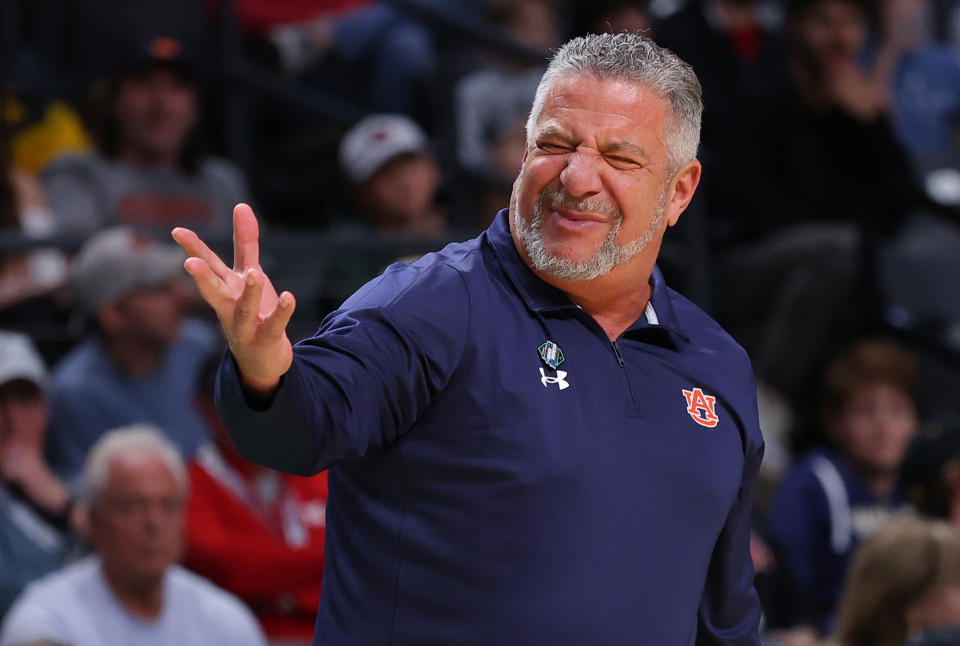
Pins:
x: 256, y: 532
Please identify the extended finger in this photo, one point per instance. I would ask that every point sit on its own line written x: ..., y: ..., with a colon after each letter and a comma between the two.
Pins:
x: 275, y: 325
x: 246, y: 238
x: 213, y: 290
x: 197, y: 248
x: 247, y: 313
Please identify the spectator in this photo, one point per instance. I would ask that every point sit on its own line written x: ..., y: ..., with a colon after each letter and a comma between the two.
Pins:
x: 34, y: 505
x: 903, y: 582
x: 492, y: 103
x: 256, y: 532
x: 736, y: 49
x: 150, y: 171
x: 923, y: 79
x: 835, y: 498
x: 366, y: 50
x: 393, y: 178
x: 797, y: 271
x: 130, y: 591
x: 393, y: 181
x: 141, y: 362
x: 23, y: 208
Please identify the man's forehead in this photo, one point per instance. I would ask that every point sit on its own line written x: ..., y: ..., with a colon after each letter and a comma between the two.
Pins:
x: 572, y: 100
x: 132, y: 468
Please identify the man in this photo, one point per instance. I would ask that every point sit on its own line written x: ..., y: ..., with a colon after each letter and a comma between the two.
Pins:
x: 393, y: 176
x: 150, y: 170
x: 141, y: 363
x: 532, y: 439
x: 131, y: 591
x: 835, y: 498
x: 255, y: 532
x: 393, y: 180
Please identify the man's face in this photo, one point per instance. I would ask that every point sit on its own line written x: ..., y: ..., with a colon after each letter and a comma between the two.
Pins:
x: 831, y: 32
x: 595, y: 189
x: 876, y: 426
x: 137, y: 524
x: 401, y: 192
x: 155, y: 110
x: 152, y: 314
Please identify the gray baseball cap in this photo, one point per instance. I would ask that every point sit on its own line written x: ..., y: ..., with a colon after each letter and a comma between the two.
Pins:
x: 20, y: 360
x: 117, y: 261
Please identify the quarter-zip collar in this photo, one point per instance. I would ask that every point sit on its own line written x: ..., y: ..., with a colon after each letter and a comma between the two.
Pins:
x: 541, y: 297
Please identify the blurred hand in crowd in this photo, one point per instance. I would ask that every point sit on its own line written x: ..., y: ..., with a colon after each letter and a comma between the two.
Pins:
x: 23, y: 424
x: 851, y: 89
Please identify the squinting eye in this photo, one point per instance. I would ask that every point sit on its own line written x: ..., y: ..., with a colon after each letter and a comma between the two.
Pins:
x: 553, y: 148
x: 622, y: 162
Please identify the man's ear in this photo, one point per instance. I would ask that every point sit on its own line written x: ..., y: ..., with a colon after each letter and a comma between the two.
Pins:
x: 682, y: 188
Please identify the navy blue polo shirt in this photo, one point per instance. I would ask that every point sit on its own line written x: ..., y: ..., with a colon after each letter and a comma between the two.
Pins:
x: 481, y: 495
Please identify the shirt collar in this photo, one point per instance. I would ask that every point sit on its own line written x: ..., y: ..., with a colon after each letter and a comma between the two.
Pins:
x: 540, y: 296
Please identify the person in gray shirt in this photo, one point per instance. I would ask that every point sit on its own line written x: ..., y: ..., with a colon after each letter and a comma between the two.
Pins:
x: 150, y: 171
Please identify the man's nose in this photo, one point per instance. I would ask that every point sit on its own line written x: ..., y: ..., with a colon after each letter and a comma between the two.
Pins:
x: 581, y: 177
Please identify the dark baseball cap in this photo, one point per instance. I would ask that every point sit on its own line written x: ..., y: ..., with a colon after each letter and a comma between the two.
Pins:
x: 156, y: 51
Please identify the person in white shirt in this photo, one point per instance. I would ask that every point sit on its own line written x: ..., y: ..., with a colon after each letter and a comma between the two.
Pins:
x: 130, y: 591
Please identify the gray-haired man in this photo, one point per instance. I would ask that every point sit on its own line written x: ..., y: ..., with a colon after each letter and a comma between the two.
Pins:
x: 531, y: 439
x: 131, y: 591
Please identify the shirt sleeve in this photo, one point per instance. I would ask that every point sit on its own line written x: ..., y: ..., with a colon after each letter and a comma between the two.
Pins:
x: 363, y: 380
x: 730, y: 611
x: 730, y: 608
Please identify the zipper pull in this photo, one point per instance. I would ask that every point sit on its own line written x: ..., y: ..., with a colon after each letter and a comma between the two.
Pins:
x: 616, y: 351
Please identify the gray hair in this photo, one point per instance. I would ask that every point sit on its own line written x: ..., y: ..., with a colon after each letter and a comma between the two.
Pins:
x: 127, y: 439
x: 632, y: 57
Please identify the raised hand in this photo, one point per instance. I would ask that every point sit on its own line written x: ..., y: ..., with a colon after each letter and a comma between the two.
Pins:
x: 253, y: 317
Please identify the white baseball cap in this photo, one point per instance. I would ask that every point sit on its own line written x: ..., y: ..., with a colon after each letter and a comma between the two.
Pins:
x: 20, y: 360
x: 377, y: 139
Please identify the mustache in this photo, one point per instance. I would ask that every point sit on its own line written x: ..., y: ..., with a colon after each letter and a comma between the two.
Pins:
x: 564, y: 200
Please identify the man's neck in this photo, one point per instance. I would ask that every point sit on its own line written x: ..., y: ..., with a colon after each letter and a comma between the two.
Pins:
x: 142, y: 598
x: 612, y: 300
x: 614, y: 314
x: 135, y: 358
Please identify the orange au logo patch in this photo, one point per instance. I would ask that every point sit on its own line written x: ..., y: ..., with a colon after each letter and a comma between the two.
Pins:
x: 701, y: 407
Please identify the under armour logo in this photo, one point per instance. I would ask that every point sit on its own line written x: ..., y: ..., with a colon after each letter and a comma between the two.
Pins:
x: 560, y: 379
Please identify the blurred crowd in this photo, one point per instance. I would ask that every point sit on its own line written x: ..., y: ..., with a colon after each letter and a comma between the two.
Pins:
x: 825, y: 237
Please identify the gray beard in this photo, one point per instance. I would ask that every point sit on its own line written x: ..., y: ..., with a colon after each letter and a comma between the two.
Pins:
x: 610, y: 254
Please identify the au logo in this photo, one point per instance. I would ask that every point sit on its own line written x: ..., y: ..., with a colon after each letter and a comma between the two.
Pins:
x: 701, y: 407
